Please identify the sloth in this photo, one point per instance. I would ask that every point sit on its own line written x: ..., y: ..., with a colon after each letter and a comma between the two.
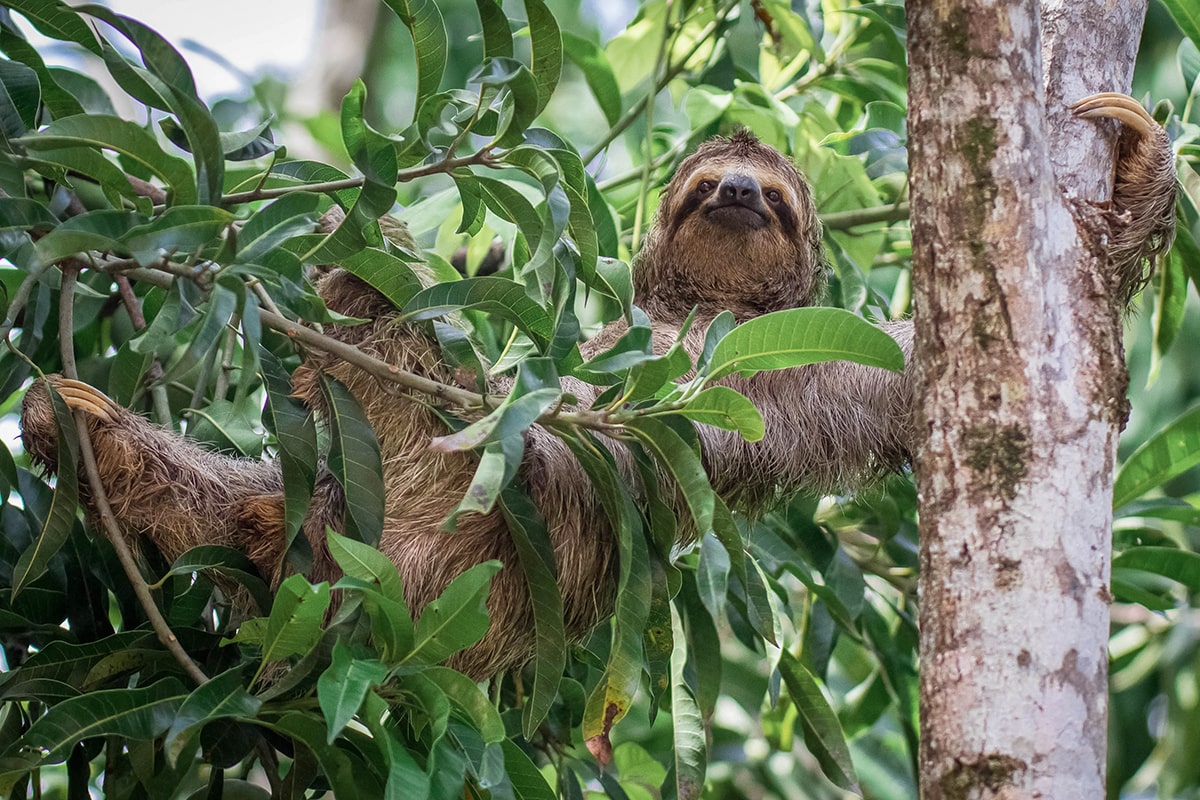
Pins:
x: 736, y: 230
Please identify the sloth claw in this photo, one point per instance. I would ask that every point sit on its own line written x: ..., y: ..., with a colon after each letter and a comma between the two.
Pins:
x: 81, y: 397
x: 1120, y: 107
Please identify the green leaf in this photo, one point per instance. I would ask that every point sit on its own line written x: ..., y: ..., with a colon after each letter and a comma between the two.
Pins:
x: 497, y: 35
x: 1189, y: 63
x: 800, y: 336
x: 535, y: 552
x: 465, y: 694
x: 546, y: 44
x: 1170, y: 562
x: 23, y: 214
x: 499, y: 297
x: 375, y: 156
x: 60, y: 519
x: 691, y: 754
x: 342, y: 687
x: 303, y: 172
x: 597, y: 72
x: 295, y: 622
x: 527, y: 781
x: 725, y: 408
x: 391, y: 624
x: 126, y: 138
x: 457, y: 619
x: 1187, y: 17
x: 222, y: 303
x: 140, y: 714
x: 511, y: 418
x: 336, y: 765
x: 225, y: 561
x: 92, y: 230
x: 296, y: 437
x: 362, y: 561
x: 822, y: 731
x: 56, y: 20
x: 387, y: 273
x: 406, y: 780
x: 59, y: 101
x: 355, y: 461
x: 71, y: 663
x: 20, y: 96
x: 289, y: 216
x: 1170, y: 452
x: 683, y: 463
x: 171, y: 79
x: 424, y: 22
x: 1170, y: 296
x: 222, y: 697
x: 520, y: 100
x: 182, y: 228
x: 613, y: 695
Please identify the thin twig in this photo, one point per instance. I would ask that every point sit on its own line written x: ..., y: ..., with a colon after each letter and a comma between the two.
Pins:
x: 844, y: 220
x: 100, y: 498
x: 482, y: 157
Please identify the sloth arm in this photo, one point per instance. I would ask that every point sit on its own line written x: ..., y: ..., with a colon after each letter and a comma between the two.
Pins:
x: 1139, y: 221
x: 830, y: 427
x: 160, y: 484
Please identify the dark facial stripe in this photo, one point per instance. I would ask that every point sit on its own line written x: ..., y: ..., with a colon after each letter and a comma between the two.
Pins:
x: 691, y: 202
x: 788, y: 221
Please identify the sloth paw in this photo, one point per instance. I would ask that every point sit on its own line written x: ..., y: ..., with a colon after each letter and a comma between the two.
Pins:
x: 1120, y: 107
x: 80, y: 396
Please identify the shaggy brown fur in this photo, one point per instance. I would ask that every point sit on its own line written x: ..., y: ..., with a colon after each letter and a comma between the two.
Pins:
x: 736, y: 230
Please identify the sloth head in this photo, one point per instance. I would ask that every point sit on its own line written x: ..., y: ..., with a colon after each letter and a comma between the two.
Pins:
x: 736, y: 229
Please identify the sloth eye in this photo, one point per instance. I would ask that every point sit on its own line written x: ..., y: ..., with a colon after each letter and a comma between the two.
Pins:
x: 773, y: 195
x: 704, y: 187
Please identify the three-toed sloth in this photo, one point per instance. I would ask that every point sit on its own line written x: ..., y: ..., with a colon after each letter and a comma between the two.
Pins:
x: 736, y: 230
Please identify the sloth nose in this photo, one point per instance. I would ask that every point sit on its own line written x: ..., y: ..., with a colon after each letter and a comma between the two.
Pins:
x: 739, y: 189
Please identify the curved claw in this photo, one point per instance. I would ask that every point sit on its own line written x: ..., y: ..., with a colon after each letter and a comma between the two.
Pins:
x: 1120, y: 107
x: 81, y: 397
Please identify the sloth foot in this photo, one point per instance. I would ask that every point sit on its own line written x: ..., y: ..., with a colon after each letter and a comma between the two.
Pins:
x: 1120, y: 107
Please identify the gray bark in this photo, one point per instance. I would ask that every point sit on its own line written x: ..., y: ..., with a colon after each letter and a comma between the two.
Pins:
x: 1018, y: 348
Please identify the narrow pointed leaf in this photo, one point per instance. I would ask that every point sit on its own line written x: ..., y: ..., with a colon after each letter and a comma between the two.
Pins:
x: 499, y: 297
x: 61, y: 517
x: 139, y: 714
x: 296, y: 616
x: 546, y: 43
x: 424, y: 22
x: 126, y: 138
x: 536, y: 554
x: 822, y: 731
x: 222, y: 697
x: 355, y: 461
x: 723, y: 407
x: 457, y: 618
x: 687, y: 725
x: 342, y: 687
x: 1170, y: 452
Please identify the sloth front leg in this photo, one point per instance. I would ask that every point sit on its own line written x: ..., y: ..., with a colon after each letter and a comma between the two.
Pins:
x: 159, y: 484
x: 1142, y: 213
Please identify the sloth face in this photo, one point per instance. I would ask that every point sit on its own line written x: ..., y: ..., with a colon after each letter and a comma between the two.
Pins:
x: 736, y: 229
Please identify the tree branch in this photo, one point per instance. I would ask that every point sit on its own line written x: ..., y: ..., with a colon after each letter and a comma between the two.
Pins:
x: 124, y: 555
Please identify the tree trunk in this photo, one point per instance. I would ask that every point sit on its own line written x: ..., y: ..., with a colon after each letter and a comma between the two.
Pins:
x: 1018, y: 346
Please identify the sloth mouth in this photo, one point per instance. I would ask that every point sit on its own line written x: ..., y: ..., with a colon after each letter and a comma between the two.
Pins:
x: 736, y: 215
